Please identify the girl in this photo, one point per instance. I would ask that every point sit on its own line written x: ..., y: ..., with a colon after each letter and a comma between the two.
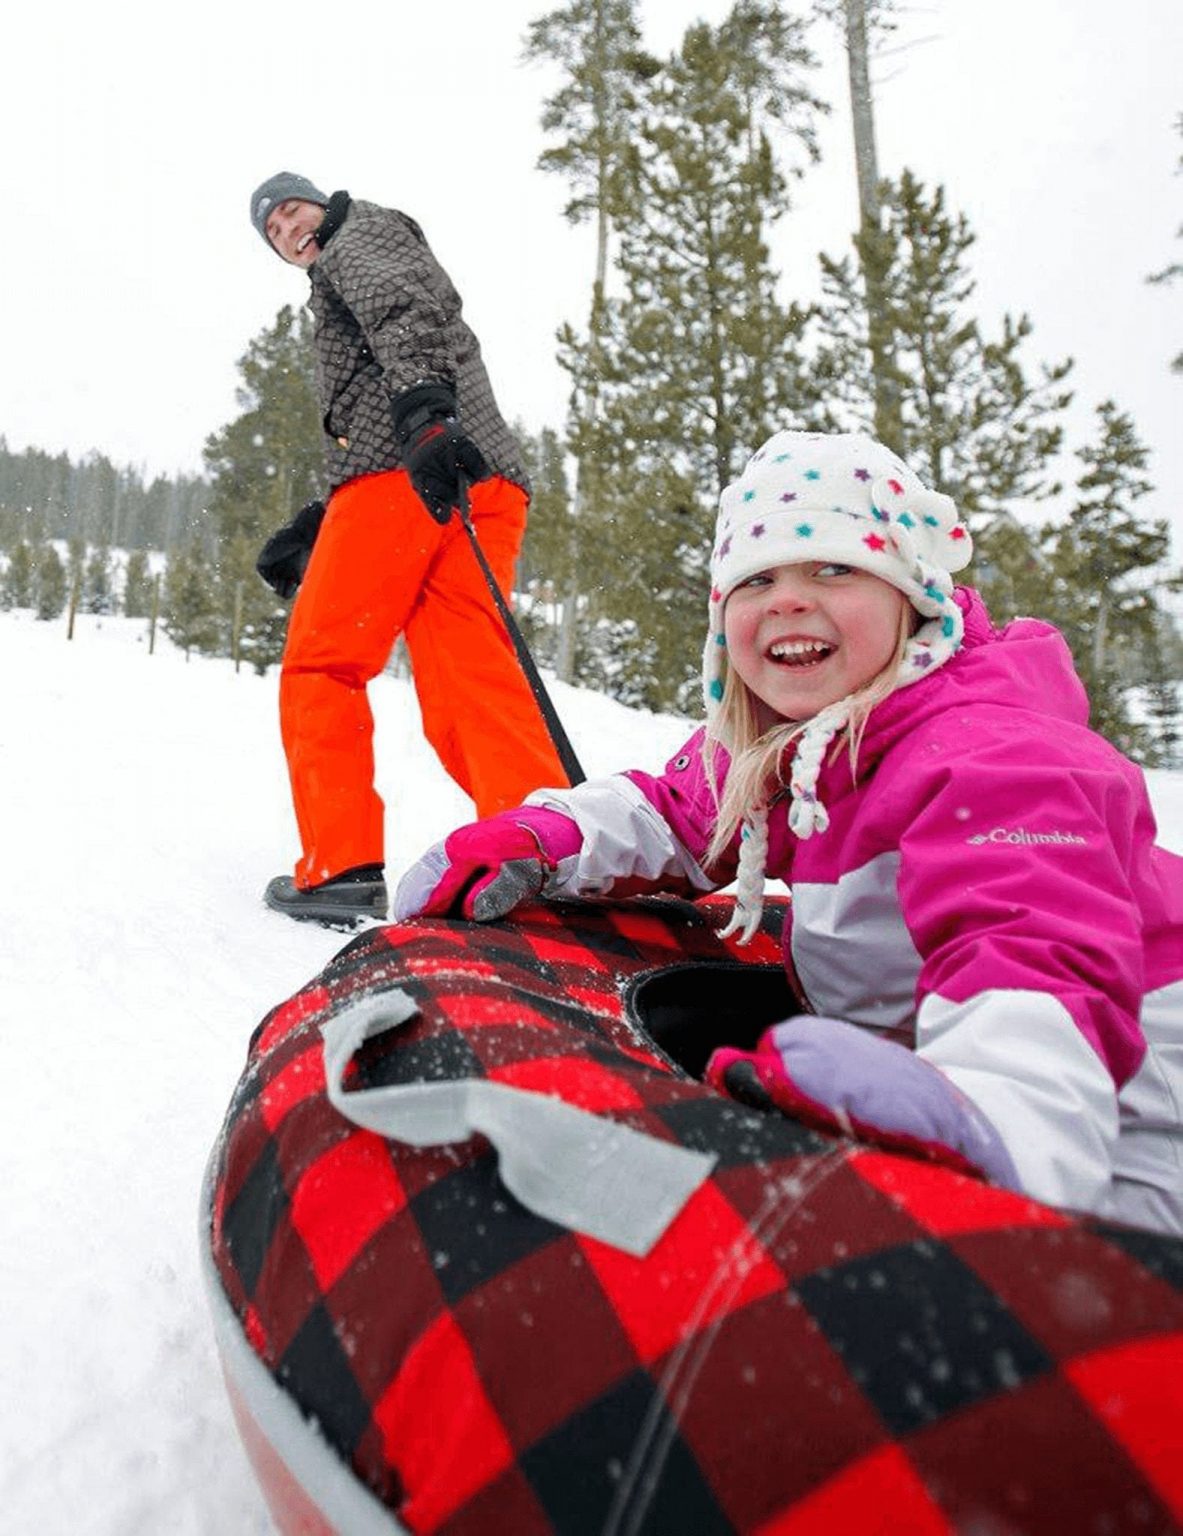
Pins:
x: 987, y: 939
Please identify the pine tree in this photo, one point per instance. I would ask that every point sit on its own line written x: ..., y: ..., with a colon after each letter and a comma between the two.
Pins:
x: 547, y: 570
x: 188, y: 607
x: 597, y: 44
x: 75, y: 562
x: 1174, y: 270
x: 18, y: 583
x: 264, y: 465
x: 12, y: 523
x: 972, y: 421
x: 137, y: 586
x: 51, y: 584
x: 239, y: 593
x: 1164, y: 709
x: 98, y: 589
x: 267, y: 462
x: 700, y: 360
x: 53, y: 497
x: 1108, y: 569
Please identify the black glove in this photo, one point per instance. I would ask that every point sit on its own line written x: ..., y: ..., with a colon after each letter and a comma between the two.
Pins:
x: 434, y: 450
x: 284, y: 558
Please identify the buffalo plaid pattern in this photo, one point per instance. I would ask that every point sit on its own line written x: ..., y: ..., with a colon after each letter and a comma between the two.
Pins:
x: 827, y: 1339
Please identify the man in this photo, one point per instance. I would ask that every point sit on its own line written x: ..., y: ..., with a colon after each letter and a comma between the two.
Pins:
x: 409, y: 415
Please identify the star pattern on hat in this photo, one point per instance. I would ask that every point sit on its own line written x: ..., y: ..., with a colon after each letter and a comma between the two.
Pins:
x: 852, y: 499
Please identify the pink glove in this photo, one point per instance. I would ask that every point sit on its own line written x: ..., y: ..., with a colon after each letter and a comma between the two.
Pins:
x: 837, y: 1077
x: 486, y: 869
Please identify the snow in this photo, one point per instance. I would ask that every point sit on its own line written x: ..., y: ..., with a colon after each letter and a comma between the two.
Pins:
x: 145, y: 805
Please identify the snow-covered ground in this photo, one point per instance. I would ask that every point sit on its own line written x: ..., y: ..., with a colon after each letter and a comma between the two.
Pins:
x: 143, y: 805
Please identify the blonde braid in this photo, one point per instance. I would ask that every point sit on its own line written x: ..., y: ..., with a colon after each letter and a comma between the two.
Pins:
x: 749, y: 876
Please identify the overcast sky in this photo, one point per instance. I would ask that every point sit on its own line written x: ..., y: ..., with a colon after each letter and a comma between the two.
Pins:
x: 134, y: 133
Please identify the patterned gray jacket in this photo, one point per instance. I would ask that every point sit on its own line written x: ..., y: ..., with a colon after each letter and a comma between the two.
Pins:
x: 386, y: 318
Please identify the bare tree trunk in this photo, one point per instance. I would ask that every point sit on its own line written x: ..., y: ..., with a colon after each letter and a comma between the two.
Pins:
x: 1100, y: 638
x: 888, y: 426
x: 862, y: 111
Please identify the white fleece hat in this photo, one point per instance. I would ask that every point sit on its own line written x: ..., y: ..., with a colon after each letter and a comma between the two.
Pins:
x: 808, y: 496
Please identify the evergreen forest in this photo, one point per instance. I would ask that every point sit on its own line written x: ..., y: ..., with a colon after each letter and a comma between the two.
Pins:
x: 688, y: 352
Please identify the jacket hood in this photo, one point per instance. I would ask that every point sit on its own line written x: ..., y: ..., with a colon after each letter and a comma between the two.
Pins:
x: 1025, y: 666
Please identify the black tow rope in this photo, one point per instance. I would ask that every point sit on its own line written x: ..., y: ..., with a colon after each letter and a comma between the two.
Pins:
x: 562, y: 744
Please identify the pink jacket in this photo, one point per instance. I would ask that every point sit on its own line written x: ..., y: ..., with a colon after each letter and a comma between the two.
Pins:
x: 989, y: 891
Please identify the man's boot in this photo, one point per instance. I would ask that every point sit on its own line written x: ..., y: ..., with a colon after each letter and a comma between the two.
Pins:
x: 347, y: 899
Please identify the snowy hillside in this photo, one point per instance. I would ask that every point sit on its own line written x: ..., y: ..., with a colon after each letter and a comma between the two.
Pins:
x: 144, y: 807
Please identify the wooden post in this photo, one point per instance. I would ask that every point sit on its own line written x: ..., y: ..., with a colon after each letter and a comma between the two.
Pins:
x: 155, y: 614
x: 75, y: 594
x: 236, y: 626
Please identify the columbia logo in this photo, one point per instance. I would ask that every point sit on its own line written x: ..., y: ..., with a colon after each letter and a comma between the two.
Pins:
x: 1021, y: 835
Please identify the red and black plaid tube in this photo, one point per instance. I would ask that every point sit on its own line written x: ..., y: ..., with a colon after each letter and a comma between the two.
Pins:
x: 827, y: 1339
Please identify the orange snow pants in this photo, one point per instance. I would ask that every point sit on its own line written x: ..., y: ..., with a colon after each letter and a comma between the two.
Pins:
x: 382, y: 566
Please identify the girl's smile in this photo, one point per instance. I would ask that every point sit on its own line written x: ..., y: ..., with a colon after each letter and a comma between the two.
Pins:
x: 804, y: 636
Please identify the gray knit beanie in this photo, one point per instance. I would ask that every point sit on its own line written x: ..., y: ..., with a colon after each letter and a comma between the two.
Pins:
x: 277, y: 189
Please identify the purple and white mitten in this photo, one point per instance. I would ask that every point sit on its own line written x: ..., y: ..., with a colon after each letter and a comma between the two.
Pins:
x: 832, y: 1075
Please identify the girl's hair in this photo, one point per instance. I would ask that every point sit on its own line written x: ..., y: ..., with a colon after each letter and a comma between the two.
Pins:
x: 755, y: 776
